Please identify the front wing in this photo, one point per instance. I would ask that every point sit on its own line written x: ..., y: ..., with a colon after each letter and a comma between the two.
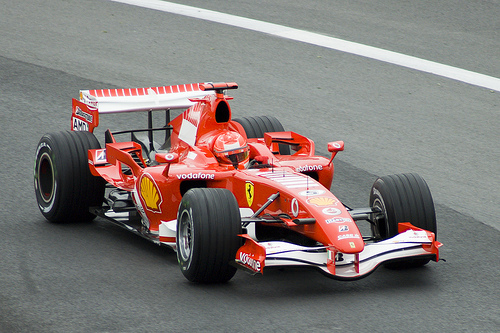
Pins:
x: 253, y: 256
x: 410, y: 243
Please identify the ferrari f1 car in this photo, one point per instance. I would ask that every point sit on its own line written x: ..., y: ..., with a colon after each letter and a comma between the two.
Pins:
x: 226, y: 193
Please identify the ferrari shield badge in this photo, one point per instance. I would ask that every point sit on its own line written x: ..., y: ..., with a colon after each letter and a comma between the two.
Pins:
x: 249, y: 193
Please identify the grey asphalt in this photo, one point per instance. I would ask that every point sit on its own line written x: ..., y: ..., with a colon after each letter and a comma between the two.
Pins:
x: 95, y: 277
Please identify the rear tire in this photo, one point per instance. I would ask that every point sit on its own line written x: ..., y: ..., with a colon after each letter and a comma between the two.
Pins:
x: 208, y: 223
x: 64, y: 187
x: 255, y: 127
x: 402, y: 198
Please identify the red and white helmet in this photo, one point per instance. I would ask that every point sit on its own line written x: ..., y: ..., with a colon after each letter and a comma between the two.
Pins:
x: 231, y: 148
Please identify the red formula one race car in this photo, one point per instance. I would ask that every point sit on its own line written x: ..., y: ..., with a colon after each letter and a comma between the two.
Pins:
x: 223, y: 192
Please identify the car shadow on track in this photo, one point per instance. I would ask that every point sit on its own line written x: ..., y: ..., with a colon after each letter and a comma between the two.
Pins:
x: 103, y: 237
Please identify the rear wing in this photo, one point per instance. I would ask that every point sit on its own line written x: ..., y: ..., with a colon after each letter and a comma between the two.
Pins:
x: 86, y: 110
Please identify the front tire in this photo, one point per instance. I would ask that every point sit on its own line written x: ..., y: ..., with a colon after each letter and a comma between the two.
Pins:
x: 64, y: 187
x: 208, y: 223
x: 402, y: 198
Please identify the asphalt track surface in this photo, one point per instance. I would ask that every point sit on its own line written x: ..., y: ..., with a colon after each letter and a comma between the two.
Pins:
x: 98, y: 278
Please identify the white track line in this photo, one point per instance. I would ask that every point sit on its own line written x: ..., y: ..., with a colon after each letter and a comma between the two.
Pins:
x: 371, y: 52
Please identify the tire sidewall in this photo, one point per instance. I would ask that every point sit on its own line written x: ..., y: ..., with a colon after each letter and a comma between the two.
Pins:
x: 61, y: 170
x: 46, y: 158
x: 380, y: 198
x: 214, y: 222
x: 185, y: 260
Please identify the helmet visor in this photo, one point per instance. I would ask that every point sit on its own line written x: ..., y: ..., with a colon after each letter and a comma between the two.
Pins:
x: 238, y: 157
x: 233, y: 156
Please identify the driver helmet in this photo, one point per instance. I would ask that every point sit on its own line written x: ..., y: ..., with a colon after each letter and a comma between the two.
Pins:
x: 231, y: 148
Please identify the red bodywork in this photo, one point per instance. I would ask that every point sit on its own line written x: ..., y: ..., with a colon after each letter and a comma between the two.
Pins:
x: 303, y: 179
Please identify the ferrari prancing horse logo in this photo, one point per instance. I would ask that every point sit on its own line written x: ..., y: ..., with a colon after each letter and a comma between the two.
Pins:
x: 249, y: 193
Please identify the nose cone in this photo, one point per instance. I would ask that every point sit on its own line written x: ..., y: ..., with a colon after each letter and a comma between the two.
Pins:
x: 334, y: 223
x: 350, y: 242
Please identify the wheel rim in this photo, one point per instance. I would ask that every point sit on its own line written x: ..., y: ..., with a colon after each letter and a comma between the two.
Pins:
x: 46, y: 180
x: 185, y: 236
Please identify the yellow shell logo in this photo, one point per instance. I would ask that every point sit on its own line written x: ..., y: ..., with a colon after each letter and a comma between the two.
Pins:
x: 150, y: 194
x: 322, y: 201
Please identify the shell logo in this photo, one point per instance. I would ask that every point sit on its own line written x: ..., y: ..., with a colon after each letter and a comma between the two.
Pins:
x: 322, y: 201
x: 150, y: 193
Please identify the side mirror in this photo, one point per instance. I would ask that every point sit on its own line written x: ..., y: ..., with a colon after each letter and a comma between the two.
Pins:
x: 335, y: 146
x: 168, y: 158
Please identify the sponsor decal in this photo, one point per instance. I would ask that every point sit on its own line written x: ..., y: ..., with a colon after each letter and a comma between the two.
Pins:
x: 169, y: 156
x: 322, y: 201
x: 291, y: 180
x: 295, y: 207
x: 343, y: 228
x: 338, y: 220
x: 417, y: 233
x: 352, y: 245
x: 311, y: 193
x: 100, y: 156
x: 270, y: 246
x: 412, y: 236
x: 348, y: 236
x: 247, y: 260
x: 43, y: 144
x: 80, y: 125
x: 305, y: 168
x: 92, y: 103
x: 249, y: 193
x: 198, y: 175
x: 150, y: 193
x: 331, y: 211
x: 331, y: 255
x: 336, y: 145
x: 88, y: 117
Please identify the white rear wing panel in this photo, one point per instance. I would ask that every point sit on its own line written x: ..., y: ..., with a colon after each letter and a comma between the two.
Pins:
x: 143, y: 99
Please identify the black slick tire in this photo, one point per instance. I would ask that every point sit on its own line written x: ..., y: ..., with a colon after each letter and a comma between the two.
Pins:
x: 255, y: 127
x: 402, y: 198
x: 208, y: 223
x: 64, y: 187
